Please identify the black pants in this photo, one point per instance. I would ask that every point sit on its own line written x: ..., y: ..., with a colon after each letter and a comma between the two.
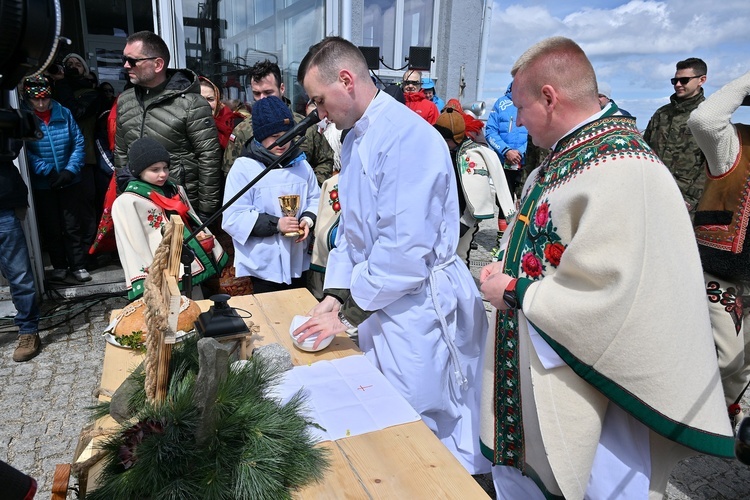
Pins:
x: 59, y: 213
x: 264, y: 286
x: 514, y: 180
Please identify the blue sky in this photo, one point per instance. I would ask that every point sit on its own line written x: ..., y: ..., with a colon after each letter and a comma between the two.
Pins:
x: 633, y: 45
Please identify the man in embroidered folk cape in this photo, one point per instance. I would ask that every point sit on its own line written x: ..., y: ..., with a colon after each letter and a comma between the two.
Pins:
x: 394, y: 272
x: 721, y: 222
x: 601, y: 374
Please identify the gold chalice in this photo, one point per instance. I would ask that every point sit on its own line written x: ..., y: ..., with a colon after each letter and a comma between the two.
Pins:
x: 289, y: 207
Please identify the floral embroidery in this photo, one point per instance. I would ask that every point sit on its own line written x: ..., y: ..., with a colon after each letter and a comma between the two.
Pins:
x: 155, y: 218
x: 730, y: 298
x: 543, y: 246
x: 553, y: 252
x: 334, y: 200
x: 509, y: 449
x: 542, y: 215
x: 531, y: 265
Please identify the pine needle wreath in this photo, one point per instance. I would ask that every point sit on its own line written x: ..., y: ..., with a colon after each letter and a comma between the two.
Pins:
x: 261, y: 449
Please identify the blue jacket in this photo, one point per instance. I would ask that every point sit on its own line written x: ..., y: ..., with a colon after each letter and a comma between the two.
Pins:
x: 60, y: 149
x: 438, y: 102
x: 501, y: 131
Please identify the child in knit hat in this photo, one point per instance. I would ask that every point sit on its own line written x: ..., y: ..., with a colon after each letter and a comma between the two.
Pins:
x: 143, y: 209
x: 255, y: 221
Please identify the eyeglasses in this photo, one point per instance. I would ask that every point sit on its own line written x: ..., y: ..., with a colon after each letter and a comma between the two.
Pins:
x: 132, y: 61
x: 684, y: 79
x: 416, y: 83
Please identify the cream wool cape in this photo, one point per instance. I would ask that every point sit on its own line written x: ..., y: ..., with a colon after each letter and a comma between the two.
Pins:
x: 609, y: 275
x: 138, y: 225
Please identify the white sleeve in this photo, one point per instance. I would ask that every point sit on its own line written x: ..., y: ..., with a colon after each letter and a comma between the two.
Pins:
x: 712, y: 127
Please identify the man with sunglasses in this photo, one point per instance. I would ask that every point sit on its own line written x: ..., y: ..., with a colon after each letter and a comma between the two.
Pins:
x: 416, y: 99
x: 166, y: 104
x: 669, y: 136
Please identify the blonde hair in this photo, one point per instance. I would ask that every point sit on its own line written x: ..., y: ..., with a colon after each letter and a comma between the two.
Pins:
x: 561, y: 63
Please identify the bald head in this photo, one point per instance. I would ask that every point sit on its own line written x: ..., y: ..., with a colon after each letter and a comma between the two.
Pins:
x: 560, y: 62
x: 557, y: 78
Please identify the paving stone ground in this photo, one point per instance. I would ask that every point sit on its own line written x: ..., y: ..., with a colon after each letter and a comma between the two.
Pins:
x: 44, y: 400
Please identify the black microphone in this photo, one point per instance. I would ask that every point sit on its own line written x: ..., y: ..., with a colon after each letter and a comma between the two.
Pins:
x: 298, y: 129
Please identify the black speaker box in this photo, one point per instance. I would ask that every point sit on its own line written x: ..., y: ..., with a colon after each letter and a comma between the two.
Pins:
x: 420, y: 57
x: 372, y: 56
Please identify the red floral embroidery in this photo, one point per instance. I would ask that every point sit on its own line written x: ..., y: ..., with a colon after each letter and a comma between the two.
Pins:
x: 542, y: 215
x: 553, y: 252
x: 155, y: 219
x: 531, y: 265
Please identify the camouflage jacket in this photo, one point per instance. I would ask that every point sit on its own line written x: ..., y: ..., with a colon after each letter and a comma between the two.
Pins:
x: 671, y: 139
x: 316, y: 148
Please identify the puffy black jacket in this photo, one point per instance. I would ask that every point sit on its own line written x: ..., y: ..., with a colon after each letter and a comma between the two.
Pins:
x: 181, y: 120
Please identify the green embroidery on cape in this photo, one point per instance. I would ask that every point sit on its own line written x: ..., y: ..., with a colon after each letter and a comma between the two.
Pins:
x: 701, y: 441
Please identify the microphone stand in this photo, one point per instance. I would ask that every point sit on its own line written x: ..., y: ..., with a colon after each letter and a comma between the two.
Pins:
x: 187, y: 253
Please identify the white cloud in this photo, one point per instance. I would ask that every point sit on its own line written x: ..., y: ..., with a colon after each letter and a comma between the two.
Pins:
x: 633, y: 45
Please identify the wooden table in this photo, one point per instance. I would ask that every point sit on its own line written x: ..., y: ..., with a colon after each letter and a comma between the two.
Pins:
x: 404, y: 461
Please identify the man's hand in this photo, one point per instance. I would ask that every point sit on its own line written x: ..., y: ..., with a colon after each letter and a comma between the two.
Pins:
x: 323, y: 325
x: 513, y: 156
x: 493, y: 288
x: 328, y: 304
x: 489, y: 270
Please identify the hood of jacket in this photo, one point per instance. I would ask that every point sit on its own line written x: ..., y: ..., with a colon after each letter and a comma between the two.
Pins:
x: 414, y: 96
x: 179, y: 81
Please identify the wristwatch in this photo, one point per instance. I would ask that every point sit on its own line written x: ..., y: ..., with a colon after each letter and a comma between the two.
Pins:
x: 345, y: 321
x: 509, y: 295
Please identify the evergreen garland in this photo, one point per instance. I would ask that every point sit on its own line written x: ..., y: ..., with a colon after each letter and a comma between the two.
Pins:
x: 261, y: 449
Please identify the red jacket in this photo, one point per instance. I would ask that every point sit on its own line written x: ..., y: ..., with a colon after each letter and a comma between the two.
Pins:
x: 417, y: 102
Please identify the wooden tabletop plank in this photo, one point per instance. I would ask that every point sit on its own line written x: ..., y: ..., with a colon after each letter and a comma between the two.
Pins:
x: 341, y: 481
x: 381, y: 458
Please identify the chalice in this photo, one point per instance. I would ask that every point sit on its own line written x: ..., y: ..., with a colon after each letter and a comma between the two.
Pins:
x: 289, y: 207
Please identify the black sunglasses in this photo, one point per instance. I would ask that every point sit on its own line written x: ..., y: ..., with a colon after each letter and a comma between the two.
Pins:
x: 416, y: 83
x: 132, y: 61
x: 683, y: 79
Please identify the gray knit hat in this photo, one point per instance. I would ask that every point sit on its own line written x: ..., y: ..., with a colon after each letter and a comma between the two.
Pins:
x: 143, y: 153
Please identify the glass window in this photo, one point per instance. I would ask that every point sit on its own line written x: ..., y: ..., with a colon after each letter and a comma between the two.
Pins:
x: 106, y: 18
x: 417, y: 24
x: 243, y: 32
x: 379, y: 28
